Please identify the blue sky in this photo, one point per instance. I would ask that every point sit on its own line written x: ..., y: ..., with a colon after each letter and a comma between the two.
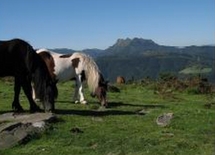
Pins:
x: 81, y: 24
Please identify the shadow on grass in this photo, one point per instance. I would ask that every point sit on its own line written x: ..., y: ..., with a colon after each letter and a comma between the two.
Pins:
x: 61, y: 101
x: 101, y: 111
x: 107, y: 111
x: 81, y: 112
x: 93, y: 112
x: 117, y: 104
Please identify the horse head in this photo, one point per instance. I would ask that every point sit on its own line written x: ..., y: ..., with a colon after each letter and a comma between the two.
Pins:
x: 101, y: 91
x: 46, y: 83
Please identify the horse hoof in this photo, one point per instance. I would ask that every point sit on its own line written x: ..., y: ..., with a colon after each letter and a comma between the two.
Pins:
x: 49, y: 111
x: 37, y: 100
x: 83, y: 102
x: 76, y: 102
x: 35, y: 109
x: 19, y: 110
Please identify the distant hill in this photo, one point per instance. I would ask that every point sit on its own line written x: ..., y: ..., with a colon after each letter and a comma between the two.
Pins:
x: 63, y: 50
x: 92, y: 52
x: 139, y: 58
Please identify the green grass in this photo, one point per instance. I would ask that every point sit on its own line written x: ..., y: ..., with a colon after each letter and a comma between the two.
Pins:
x: 120, y: 129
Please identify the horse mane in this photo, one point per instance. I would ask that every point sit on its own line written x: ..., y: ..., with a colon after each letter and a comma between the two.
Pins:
x: 91, y: 70
x: 47, y: 57
x: 45, y: 72
x: 41, y: 77
x: 65, y: 55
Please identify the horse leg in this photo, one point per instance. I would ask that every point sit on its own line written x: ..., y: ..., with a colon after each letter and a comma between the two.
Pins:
x: 16, y: 105
x: 75, y: 97
x: 26, y: 85
x: 34, y: 94
x: 80, y: 90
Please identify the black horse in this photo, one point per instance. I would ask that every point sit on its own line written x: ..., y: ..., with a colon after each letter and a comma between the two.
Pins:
x: 20, y: 60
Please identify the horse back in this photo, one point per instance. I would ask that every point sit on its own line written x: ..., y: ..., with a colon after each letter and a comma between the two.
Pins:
x: 14, y: 57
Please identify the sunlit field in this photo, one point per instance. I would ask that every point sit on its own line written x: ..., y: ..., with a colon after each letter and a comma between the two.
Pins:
x: 127, y: 127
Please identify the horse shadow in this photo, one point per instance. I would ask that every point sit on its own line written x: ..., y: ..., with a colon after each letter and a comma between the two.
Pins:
x: 95, y: 113
x: 108, y: 111
x: 101, y: 111
x: 64, y: 101
x: 118, y: 104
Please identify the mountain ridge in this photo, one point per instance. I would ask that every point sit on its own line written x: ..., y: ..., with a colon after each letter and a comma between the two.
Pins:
x: 138, y: 58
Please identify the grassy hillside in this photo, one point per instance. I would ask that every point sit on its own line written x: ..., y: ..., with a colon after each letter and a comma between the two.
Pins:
x: 127, y: 127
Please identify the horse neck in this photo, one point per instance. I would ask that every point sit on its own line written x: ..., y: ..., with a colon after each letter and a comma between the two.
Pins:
x: 48, y: 58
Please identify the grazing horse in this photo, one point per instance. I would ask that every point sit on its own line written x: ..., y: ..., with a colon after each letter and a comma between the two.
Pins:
x: 80, y: 67
x: 120, y: 80
x: 20, y: 60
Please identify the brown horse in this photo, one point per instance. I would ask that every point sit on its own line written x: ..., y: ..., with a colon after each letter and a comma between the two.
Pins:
x: 20, y: 60
x: 120, y: 80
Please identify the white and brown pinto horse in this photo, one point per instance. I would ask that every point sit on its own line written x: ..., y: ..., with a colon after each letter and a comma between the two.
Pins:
x: 80, y: 67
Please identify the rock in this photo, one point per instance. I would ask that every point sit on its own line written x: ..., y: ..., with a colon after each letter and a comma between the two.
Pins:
x: 10, y: 138
x: 164, y: 119
x: 40, y: 124
x: 9, y: 126
x: 17, y: 128
x: 7, y: 140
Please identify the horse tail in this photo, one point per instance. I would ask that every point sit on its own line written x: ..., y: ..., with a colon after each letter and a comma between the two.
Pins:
x: 90, y: 68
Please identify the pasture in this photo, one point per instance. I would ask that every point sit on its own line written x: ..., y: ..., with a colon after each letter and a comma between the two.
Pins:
x: 127, y: 127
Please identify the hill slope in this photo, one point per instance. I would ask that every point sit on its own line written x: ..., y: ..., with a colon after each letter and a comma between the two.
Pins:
x: 138, y: 58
